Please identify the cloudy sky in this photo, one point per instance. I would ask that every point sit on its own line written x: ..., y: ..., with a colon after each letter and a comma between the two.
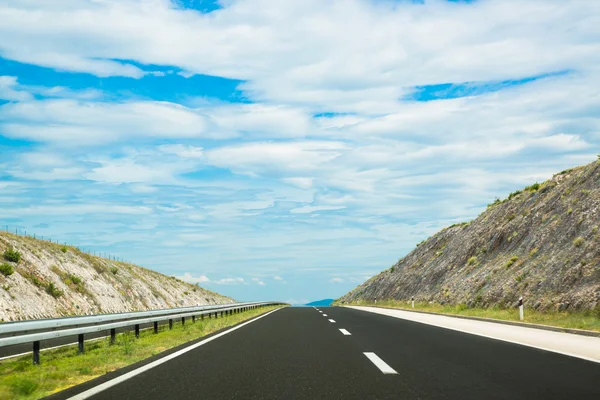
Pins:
x: 286, y: 150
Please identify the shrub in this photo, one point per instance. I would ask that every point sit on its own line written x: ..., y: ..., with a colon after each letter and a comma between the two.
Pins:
x: 114, y: 270
x: 578, y: 242
x: 63, y: 249
x: 12, y: 255
x: 514, y: 194
x: 53, y: 291
x: 570, y: 210
x: 533, y: 252
x: 6, y: 269
x: 533, y: 188
x: 520, y: 277
x: 75, y: 279
x: 472, y: 260
x: 511, y: 262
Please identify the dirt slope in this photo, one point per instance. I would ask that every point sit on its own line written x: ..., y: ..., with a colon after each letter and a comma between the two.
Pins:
x: 542, y: 243
x: 51, y: 280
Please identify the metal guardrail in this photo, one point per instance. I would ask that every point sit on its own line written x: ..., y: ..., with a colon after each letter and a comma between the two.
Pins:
x: 35, y: 331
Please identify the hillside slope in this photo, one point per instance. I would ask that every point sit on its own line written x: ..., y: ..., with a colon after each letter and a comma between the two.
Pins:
x: 541, y: 243
x: 51, y: 280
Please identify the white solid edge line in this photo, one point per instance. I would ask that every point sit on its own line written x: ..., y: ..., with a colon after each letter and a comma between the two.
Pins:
x: 497, y: 338
x: 379, y: 363
x: 332, y: 321
x: 113, y: 382
x: 345, y: 332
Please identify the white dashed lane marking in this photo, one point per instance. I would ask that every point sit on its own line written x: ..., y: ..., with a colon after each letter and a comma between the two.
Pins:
x: 379, y: 363
x: 332, y: 321
x: 345, y: 332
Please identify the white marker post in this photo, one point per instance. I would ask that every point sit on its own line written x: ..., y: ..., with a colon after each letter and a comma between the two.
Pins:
x: 521, y: 308
x: 413, y: 302
x: 375, y: 300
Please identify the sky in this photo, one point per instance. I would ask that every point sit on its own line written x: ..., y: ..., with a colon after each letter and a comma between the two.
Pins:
x: 284, y: 150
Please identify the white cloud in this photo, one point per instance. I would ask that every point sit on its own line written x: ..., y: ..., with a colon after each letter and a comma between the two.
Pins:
x: 75, y: 121
x: 357, y: 54
x: 188, y: 277
x: 303, y: 183
x: 310, y: 209
x: 258, y: 281
x: 182, y: 151
x: 275, y: 158
x: 277, y: 278
x: 230, y: 281
x: 336, y: 280
x: 9, y: 90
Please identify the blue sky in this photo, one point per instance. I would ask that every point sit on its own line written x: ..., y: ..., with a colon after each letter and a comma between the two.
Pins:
x: 279, y: 150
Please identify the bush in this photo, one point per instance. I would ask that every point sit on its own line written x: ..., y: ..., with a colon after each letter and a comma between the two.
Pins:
x: 53, y: 291
x: 510, y: 262
x: 472, y: 260
x: 75, y: 279
x: 114, y: 270
x: 63, y: 249
x: 6, y: 269
x: 533, y: 252
x: 12, y: 255
x: 578, y: 242
x: 514, y: 194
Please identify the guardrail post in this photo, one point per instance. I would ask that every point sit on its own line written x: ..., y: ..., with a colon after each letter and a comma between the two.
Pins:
x: 137, y: 330
x: 182, y: 321
x: 193, y: 319
x: 113, y: 335
x: 80, y: 340
x: 36, y: 353
x: 155, y: 326
x: 170, y: 324
x: 202, y: 317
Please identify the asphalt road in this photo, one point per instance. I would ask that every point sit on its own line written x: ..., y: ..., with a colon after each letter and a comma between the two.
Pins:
x: 298, y: 353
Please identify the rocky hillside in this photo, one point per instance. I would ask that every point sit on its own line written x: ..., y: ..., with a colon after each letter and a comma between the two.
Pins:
x: 542, y: 243
x: 39, y: 279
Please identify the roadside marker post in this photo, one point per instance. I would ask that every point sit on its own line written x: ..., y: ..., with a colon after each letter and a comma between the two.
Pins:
x: 521, y: 308
x: 413, y: 302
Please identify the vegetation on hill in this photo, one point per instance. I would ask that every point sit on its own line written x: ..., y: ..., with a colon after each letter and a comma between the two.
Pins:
x: 541, y: 243
x: 41, y: 279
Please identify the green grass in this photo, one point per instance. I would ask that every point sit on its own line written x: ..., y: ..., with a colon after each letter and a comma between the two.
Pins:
x: 581, y: 320
x: 6, y: 269
x: 62, y: 368
x: 12, y: 255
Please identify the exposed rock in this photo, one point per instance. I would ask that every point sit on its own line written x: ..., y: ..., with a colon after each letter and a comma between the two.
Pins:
x: 52, y: 280
x: 541, y: 243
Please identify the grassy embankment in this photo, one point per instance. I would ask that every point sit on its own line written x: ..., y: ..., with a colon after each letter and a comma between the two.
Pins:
x: 62, y: 368
x: 575, y: 320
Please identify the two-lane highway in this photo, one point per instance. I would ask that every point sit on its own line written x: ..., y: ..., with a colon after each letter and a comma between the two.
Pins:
x: 340, y: 353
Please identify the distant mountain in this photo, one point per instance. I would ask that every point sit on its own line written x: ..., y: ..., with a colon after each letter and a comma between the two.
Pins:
x: 541, y: 243
x: 322, y: 303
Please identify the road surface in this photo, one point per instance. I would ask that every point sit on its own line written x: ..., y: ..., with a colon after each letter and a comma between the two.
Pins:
x: 342, y: 353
